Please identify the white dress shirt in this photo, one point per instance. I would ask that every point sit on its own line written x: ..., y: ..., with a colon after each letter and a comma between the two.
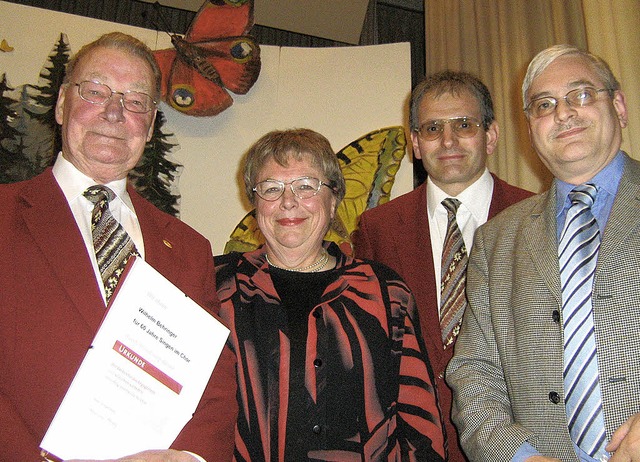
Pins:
x: 473, y: 212
x: 73, y: 183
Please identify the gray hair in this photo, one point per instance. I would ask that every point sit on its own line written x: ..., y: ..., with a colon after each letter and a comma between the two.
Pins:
x: 543, y: 59
x: 123, y: 42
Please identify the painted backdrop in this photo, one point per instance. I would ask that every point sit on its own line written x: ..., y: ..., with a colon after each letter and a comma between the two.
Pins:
x: 343, y: 93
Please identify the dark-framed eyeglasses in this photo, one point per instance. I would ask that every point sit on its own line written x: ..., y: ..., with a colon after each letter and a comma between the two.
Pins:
x: 464, y: 127
x: 580, y: 97
x: 99, y: 93
x: 303, y: 188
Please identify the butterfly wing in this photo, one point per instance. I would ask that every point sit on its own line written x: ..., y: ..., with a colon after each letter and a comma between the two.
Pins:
x: 246, y: 236
x: 221, y: 18
x: 210, y: 59
x: 165, y: 59
x: 369, y: 165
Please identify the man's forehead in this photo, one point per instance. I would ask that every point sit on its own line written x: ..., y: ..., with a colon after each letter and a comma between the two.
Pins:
x: 96, y: 65
x: 566, y: 72
x: 462, y: 103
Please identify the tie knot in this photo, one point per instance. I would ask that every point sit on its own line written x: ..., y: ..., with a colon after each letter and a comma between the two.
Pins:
x: 451, y: 205
x: 99, y: 193
x: 583, y: 194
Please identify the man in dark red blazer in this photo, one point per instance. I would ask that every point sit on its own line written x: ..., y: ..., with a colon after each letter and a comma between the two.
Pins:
x: 453, y: 131
x: 52, y: 299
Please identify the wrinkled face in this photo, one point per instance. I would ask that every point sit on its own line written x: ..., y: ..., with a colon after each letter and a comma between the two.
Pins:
x: 289, y: 223
x: 105, y: 141
x: 575, y: 143
x: 453, y: 162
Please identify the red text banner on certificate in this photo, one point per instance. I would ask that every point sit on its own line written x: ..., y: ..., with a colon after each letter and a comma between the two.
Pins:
x: 146, y: 366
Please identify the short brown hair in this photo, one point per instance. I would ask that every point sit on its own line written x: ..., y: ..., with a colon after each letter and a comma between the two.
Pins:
x: 453, y: 83
x: 297, y: 143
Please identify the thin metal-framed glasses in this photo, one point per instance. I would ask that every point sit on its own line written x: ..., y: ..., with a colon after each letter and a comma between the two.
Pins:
x: 304, y: 188
x: 464, y: 127
x: 99, y: 93
x: 580, y: 97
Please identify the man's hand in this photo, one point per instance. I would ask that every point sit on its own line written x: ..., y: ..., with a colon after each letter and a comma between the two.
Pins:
x: 625, y: 441
x: 168, y: 455
x: 542, y: 459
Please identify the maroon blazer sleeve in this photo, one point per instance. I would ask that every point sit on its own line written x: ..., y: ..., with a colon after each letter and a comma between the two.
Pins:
x: 51, y: 307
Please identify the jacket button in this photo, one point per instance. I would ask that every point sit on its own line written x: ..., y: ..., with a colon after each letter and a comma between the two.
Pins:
x: 554, y: 397
x: 556, y: 316
x: 316, y: 429
x: 317, y: 362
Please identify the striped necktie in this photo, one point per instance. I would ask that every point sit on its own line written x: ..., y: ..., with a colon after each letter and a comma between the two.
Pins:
x: 112, y: 244
x: 454, y: 276
x: 578, y: 254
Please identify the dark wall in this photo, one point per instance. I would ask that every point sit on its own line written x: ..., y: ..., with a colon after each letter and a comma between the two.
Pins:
x: 385, y: 24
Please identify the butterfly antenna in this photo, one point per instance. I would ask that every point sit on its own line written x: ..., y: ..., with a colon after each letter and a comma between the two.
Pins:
x: 166, y: 27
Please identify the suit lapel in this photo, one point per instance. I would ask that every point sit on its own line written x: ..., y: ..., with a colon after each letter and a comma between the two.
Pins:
x: 158, y: 245
x: 540, y: 233
x: 61, y: 243
x: 626, y: 210
x: 414, y: 224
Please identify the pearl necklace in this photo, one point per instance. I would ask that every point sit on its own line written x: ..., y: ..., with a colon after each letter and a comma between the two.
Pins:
x: 312, y: 268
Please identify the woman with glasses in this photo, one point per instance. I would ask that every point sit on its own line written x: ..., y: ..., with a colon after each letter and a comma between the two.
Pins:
x: 330, y: 365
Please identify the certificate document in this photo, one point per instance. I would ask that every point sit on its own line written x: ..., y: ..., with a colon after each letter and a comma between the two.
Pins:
x: 143, y: 375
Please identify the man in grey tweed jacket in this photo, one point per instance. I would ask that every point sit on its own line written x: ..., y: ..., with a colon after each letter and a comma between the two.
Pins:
x: 507, y: 370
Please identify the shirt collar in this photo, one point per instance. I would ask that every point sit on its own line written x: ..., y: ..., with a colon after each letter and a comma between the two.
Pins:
x: 473, y: 198
x: 606, y: 180
x: 73, y: 182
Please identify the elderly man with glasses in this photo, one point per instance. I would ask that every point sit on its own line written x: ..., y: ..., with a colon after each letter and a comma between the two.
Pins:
x: 547, y: 364
x: 60, y: 267
x: 426, y: 234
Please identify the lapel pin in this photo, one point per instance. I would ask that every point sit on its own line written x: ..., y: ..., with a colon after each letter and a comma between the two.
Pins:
x: 167, y: 243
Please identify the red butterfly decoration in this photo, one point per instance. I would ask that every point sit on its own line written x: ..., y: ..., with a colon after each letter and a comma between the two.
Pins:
x: 214, y: 56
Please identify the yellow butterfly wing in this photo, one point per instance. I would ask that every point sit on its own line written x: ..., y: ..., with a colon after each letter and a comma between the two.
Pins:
x: 369, y: 165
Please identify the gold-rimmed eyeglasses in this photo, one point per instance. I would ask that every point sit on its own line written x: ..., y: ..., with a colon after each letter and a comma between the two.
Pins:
x: 580, y: 97
x: 464, y: 127
x: 303, y: 188
x: 99, y: 93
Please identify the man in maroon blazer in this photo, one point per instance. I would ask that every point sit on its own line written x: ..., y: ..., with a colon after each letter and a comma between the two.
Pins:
x: 453, y: 131
x: 52, y: 298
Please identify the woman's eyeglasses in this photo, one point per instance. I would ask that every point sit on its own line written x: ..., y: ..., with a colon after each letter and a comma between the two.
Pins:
x: 303, y: 188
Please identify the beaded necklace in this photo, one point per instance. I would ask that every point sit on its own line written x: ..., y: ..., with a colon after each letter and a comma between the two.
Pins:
x: 312, y: 268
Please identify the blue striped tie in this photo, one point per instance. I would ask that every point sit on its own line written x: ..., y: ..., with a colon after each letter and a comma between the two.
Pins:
x: 578, y: 253
x: 112, y: 244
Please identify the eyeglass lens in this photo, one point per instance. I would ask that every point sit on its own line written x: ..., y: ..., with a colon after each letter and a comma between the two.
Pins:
x: 303, y: 188
x: 464, y: 127
x: 579, y: 97
x: 99, y: 93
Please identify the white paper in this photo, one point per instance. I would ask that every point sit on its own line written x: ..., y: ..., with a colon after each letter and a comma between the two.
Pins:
x: 144, y: 374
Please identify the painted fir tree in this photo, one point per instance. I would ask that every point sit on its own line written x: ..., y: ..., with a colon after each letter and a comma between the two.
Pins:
x: 9, y: 135
x: 43, y: 109
x: 155, y: 173
x: 31, y: 137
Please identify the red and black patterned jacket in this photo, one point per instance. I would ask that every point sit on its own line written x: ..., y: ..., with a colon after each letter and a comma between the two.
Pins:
x: 361, y: 331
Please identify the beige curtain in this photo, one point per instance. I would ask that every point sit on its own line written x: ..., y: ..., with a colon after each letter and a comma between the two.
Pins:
x: 496, y: 39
